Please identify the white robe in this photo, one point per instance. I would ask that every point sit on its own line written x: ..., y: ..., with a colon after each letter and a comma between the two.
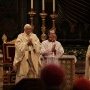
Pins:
x: 22, y: 55
x: 46, y: 47
x: 87, y: 64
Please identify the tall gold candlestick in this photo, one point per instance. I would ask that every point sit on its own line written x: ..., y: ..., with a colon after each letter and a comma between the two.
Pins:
x: 32, y: 14
x: 43, y: 28
x: 53, y: 16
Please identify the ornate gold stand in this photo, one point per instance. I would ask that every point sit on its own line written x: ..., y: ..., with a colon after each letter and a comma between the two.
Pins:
x: 53, y: 16
x: 43, y: 28
x: 32, y: 14
x: 4, y: 38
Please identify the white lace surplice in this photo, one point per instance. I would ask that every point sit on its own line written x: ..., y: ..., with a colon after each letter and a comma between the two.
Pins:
x: 50, y: 57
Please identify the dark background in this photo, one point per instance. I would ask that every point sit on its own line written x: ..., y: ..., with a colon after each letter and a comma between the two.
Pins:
x: 72, y: 23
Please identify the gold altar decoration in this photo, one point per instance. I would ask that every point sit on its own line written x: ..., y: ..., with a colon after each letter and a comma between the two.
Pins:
x: 43, y: 28
x: 32, y: 14
x: 4, y: 38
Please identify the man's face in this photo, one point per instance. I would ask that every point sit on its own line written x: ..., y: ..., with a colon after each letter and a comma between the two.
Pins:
x: 52, y: 37
x: 28, y: 30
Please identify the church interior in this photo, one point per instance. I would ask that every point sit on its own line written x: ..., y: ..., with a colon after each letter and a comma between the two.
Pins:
x: 70, y: 19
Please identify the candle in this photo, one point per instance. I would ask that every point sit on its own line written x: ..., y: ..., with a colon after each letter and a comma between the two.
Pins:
x: 31, y: 4
x: 43, y: 5
x: 53, y: 5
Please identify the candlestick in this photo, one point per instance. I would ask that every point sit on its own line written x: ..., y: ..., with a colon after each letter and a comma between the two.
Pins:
x: 53, y: 5
x: 43, y: 27
x: 53, y: 16
x: 43, y: 5
x: 31, y: 4
x: 32, y: 14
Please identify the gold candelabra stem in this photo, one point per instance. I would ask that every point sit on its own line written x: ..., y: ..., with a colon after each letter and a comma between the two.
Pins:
x: 32, y: 14
x: 43, y: 28
x: 53, y: 16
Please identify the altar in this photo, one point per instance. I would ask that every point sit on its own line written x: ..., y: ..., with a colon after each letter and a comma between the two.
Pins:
x: 68, y: 63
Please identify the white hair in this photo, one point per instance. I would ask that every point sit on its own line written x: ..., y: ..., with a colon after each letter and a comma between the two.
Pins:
x: 27, y: 26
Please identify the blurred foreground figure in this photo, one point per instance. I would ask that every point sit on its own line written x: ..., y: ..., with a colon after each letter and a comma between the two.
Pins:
x: 27, y: 54
x: 29, y: 84
x: 52, y: 76
x: 81, y: 84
